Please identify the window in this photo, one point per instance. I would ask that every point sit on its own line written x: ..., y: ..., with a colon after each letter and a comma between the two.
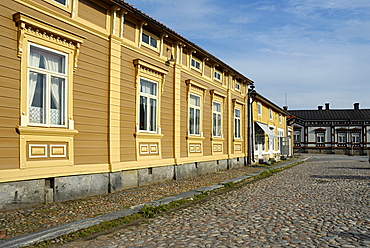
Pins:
x: 195, y: 63
x: 149, y: 40
x: 280, y: 119
x: 148, y: 106
x: 297, y: 136
x: 237, y: 123
x: 216, y: 120
x: 237, y: 86
x: 270, y: 112
x: 217, y: 75
x: 47, y: 86
x: 320, y: 138
x: 259, y: 108
x: 342, y: 138
x: 64, y: 2
x: 194, y: 114
x: 355, y: 138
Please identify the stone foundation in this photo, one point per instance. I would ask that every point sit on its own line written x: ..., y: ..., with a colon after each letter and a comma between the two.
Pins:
x: 25, y: 193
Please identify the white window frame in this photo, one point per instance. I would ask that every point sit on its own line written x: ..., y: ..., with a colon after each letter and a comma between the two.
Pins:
x: 195, y: 64
x: 237, y: 124
x: 66, y: 4
x: 216, y: 127
x: 342, y: 138
x: 355, y: 138
x: 297, y: 136
x: 259, y: 109
x: 47, y: 87
x: 148, y: 96
x: 195, y: 108
x: 217, y: 75
x: 320, y: 138
x: 150, y: 38
x: 270, y: 113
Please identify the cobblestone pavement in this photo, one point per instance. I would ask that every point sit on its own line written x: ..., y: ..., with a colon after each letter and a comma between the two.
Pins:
x: 320, y: 203
x: 18, y: 222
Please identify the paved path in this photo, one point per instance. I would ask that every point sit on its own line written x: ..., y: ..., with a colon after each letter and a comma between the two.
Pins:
x: 324, y: 202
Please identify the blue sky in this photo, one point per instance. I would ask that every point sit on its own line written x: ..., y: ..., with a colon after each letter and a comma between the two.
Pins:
x: 312, y: 51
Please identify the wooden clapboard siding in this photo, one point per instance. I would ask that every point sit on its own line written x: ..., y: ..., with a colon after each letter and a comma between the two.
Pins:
x: 167, y: 117
x: 184, y: 117
x: 207, y: 123
x: 208, y: 71
x: 91, y: 85
x: 129, y: 30
x: 150, y: 50
x: 92, y: 12
x: 128, y: 107
x: 9, y: 90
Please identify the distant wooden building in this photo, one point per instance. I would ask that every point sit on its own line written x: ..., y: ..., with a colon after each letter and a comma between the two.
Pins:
x: 97, y: 97
x: 333, y: 131
x: 271, y: 132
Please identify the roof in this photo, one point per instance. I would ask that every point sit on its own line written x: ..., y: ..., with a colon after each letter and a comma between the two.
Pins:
x: 332, y: 114
x: 181, y: 38
x: 261, y: 98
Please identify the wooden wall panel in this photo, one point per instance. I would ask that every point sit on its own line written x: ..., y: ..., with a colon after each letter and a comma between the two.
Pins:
x: 128, y: 106
x: 91, y: 88
x: 129, y: 30
x: 9, y: 89
x: 92, y: 12
x: 208, y: 71
x: 167, y: 116
x: 184, y: 117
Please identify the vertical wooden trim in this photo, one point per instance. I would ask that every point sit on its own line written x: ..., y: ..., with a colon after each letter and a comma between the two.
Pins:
x: 114, y: 101
x: 230, y: 137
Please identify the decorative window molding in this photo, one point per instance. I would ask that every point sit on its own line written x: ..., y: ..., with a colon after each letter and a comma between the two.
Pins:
x: 37, y: 151
x: 31, y: 27
x: 152, y: 72
x: 58, y: 151
x: 52, y: 42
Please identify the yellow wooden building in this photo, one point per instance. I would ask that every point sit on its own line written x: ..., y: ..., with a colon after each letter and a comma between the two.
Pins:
x: 96, y: 96
x: 270, y: 133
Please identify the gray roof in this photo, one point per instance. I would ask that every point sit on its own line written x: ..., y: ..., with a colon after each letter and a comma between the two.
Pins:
x: 332, y: 114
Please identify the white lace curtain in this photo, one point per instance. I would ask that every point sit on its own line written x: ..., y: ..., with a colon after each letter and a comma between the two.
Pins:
x: 50, y: 62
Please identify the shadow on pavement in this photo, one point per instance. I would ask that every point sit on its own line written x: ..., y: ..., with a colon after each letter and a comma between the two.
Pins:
x: 345, y: 177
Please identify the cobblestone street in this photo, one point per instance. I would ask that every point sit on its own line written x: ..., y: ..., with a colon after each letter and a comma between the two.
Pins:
x: 323, y: 202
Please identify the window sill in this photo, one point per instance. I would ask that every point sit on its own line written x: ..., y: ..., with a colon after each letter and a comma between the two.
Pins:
x: 195, y: 137
x: 144, y: 135
x: 26, y: 130
x: 217, y: 139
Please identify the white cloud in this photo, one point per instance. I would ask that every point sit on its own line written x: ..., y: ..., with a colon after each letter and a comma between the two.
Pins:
x: 316, y: 51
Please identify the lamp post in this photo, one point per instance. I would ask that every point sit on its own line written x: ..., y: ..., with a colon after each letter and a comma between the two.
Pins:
x: 251, y: 96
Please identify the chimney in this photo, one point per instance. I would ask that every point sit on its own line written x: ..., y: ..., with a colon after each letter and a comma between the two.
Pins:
x: 327, y: 106
x: 319, y: 107
x: 285, y: 108
x: 356, y: 105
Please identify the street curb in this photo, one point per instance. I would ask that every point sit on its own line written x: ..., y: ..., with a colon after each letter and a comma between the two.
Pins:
x: 57, y: 231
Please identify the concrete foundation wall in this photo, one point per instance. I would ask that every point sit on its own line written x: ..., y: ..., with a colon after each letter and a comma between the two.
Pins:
x: 74, y: 187
x: 25, y: 193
